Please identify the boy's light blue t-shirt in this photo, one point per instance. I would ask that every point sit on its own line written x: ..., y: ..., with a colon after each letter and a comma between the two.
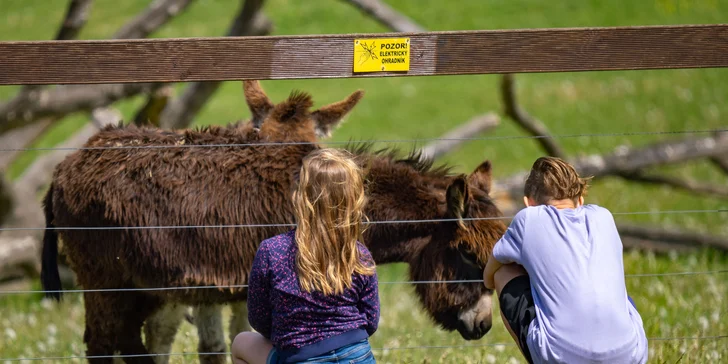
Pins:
x: 574, y: 261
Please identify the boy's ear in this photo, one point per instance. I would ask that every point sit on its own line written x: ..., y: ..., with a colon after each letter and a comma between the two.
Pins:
x: 529, y: 201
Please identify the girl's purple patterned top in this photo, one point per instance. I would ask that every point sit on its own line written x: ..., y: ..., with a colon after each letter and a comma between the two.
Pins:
x: 302, y: 324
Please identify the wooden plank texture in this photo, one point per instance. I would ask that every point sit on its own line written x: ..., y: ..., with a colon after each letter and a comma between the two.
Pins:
x: 331, y: 56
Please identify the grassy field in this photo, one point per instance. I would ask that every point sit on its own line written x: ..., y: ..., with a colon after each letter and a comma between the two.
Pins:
x: 421, y: 107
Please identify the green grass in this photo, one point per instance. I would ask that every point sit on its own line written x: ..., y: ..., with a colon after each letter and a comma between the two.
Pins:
x: 421, y: 107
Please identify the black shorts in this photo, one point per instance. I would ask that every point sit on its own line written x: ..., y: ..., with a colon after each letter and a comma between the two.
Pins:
x: 516, y: 304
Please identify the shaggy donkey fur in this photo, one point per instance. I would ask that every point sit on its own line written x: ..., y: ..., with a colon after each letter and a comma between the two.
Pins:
x: 248, y: 185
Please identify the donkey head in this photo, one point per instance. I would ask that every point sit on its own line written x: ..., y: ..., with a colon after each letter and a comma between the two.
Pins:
x: 291, y: 119
x: 458, y: 251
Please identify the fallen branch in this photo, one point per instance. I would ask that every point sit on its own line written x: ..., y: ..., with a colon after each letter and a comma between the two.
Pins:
x: 20, y: 247
x: 387, y: 16
x: 61, y: 101
x: 532, y: 125
x: 673, y: 237
x: 150, y: 113
x: 630, y: 243
x: 19, y: 255
x: 630, y: 160
x: 450, y: 141
x: 683, y: 184
x: 6, y: 199
x: 154, y: 17
x: 20, y: 283
x: 20, y: 279
x: 37, y: 175
x: 721, y: 162
x: 20, y: 138
x: 182, y: 110
x: 75, y: 19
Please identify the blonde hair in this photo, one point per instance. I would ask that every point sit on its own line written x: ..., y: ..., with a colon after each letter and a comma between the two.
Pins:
x: 329, y: 205
x: 552, y: 178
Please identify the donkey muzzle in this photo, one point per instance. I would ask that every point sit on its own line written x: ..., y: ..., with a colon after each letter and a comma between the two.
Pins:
x: 474, y: 322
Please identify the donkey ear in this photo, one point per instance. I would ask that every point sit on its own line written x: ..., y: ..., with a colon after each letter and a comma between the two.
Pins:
x: 457, y: 198
x: 482, y: 176
x: 258, y: 102
x: 329, y: 116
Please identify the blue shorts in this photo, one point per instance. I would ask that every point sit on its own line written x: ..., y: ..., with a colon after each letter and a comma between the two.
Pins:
x: 356, y: 353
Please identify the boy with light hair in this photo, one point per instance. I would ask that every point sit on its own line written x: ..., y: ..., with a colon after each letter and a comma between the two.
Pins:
x: 559, y: 274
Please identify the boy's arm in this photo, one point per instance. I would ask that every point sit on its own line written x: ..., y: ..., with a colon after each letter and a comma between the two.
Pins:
x: 489, y: 274
x: 507, y: 250
x: 259, y: 305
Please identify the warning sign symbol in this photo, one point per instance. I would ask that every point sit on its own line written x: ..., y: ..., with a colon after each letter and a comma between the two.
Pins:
x: 378, y: 55
x: 368, y: 52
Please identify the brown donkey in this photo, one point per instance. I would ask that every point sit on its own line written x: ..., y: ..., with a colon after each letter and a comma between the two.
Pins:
x: 159, y: 333
x: 220, y: 185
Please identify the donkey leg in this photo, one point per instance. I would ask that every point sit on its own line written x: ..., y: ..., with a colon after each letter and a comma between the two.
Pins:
x: 208, y: 319
x: 238, y: 319
x: 135, y: 311
x: 104, y: 325
x: 160, y: 330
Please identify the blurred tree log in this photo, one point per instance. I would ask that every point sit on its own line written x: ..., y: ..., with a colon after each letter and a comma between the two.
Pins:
x: 43, y: 106
x: 19, y: 248
x: 454, y: 138
x: 181, y: 111
x: 6, y: 203
x: 75, y: 19
x: 55, y: 103
x: 387, y: 16
x: 527, y: 122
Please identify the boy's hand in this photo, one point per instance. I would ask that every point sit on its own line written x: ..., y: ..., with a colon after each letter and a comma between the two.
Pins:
x: 489, y: 273
x: 488, y: 281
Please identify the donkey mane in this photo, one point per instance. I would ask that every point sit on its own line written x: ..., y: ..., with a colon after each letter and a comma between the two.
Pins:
x: 295, y: 108
x: 413, y: 159
x: 129, y: 134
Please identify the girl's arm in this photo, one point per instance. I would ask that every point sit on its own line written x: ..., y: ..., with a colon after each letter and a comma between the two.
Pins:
x: 259, y: 305
x: 369, y: 303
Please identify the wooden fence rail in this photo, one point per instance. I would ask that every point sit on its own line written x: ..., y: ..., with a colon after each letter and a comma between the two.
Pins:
x: 332, y: 56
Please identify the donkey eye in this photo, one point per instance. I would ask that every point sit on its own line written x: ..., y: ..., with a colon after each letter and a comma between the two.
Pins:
x: 469, y: 257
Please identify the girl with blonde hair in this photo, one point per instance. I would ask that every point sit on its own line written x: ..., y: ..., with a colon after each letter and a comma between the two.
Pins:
x: 313, y: 294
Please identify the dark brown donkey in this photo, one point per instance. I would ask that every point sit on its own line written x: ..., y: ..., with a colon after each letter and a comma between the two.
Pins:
x: 190, y: 186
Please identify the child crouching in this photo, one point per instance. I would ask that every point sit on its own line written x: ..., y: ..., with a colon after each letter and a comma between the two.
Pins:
x: 313, y: 293
x: 559, y: 275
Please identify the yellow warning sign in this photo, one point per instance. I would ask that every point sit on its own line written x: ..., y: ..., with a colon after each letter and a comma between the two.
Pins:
x: 382, y: 54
